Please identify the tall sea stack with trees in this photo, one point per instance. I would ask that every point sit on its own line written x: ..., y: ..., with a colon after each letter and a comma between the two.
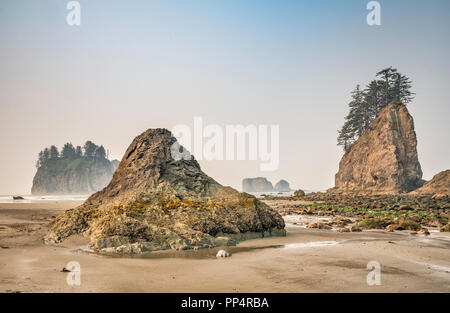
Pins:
x: 379, y: 140
x: 74, y: 170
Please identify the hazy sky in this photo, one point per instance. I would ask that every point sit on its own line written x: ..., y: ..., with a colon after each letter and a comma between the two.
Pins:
x: 134, y: 65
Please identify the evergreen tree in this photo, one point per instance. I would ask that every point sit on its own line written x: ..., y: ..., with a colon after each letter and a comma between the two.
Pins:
x: 89, y: 149
x: 401, y: 89
x: 40, y: 160
x: 373, y: 96
x: 346, y: 136
x: 356, y: 121
x: 54, y: 154
x: 46, y: 155
x: 79, y: 152
x: 387, y: 75
x: 68, y: 151
x: 357, y: 116
x: 100, y: 153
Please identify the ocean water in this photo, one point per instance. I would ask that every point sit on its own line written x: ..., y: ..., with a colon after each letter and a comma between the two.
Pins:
x: 43, y: 198
x: 271, y: 193
x: 276, y: 193
x: 81, y: 198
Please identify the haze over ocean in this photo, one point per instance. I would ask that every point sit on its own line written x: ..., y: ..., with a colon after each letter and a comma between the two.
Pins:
x: 134, y: 65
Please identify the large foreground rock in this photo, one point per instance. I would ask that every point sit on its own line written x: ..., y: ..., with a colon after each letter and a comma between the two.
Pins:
x: 384, y: 159
x: 439, y: 185
x: 154, y: 202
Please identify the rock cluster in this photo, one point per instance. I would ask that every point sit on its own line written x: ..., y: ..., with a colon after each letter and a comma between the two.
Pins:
x: 262, y: 184
x: 155, y: 202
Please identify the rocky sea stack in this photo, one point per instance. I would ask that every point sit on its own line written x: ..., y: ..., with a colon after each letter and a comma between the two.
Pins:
x: 80, y: 170
x: 154, y: 202
x: 384, y: 159
x: 257, y: 184
x: 282, y: 186
x: 67, y: 176
x: 438, y: 186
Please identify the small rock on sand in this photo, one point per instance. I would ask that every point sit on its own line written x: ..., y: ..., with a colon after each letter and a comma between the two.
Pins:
x: 222, y: 254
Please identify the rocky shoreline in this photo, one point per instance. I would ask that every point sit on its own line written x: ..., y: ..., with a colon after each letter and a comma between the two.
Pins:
x: 389, y: 212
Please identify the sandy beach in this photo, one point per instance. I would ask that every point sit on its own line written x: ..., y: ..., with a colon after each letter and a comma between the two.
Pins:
x: 306, y: 260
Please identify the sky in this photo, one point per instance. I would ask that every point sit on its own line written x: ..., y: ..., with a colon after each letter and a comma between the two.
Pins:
x: 133, y: 65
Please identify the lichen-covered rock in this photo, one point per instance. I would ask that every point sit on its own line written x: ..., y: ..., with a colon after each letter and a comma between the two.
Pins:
x: 155, y: 202
x: 439, y: 185
x: 445, y: 228
x: 258, y: 184
x: 299, y: 193
x: 384, y: 159
x: 319, y: 225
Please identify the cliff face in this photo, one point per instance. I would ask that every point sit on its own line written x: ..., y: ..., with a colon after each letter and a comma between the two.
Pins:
x: 155, y: 202
x: 384, y: 159
x: 72, y: 176
x: 258, y: 184
x: 438, y: 185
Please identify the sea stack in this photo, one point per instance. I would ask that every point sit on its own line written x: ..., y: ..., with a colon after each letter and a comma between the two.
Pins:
x: 282, y: 186
x: 438, y: 186
x: 155, y: 202
x: 384, y: 159
x: 257, y: 184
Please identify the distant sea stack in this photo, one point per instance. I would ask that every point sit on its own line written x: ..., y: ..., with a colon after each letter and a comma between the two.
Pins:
x: 155, y: 202
x: 438, y: 186
x: 72, y: 171
x: 384, y: 159
x: 258, y: 184
x: 115, y: 164
x: 282, y: 186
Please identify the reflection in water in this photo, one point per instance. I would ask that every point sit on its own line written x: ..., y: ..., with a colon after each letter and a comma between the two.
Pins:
x: 212, y: 252
x: 209, y: 253
x: 311, y: 244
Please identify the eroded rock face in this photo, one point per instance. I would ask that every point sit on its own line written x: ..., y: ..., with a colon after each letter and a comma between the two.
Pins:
x: 258, y: 184
x: 439, y: 185
x: 154, y: 202
x: 384, y: 159
x: 282, y: 186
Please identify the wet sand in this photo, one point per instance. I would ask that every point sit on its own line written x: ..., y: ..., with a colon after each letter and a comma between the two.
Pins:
x: 306, y: 260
